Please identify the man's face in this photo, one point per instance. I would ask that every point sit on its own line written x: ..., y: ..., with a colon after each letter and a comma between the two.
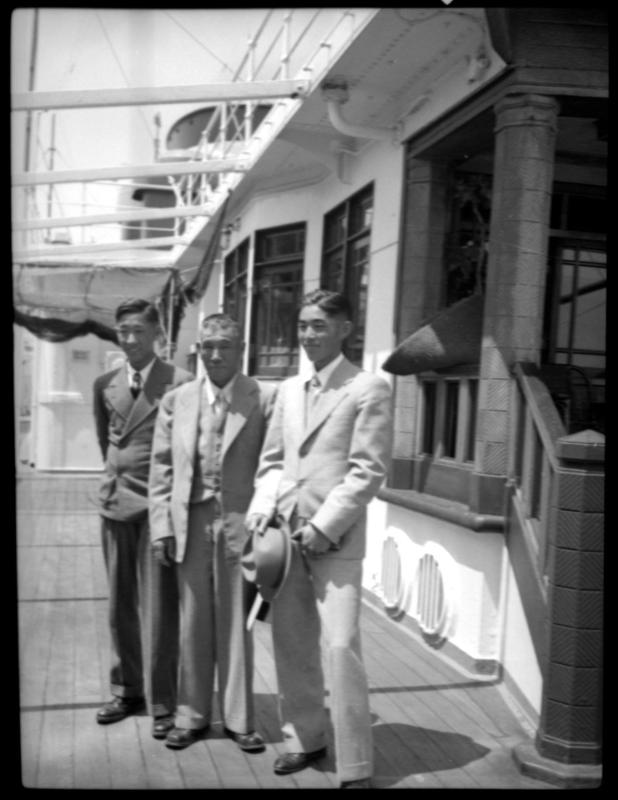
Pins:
x: 321, y: 335
x: 137, y: 337
x: 221, y: 351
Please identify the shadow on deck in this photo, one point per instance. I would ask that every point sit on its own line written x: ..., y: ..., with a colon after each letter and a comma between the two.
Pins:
x: 433, y: 726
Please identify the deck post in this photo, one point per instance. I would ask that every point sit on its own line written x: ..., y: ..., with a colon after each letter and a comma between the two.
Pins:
x: 568, y: 746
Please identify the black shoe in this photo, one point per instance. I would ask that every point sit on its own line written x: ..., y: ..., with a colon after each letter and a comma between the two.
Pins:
x: 249, y: 742
x: 119, y: 708
x: 361, y: 783
x: 293, y: 762
x: 178, y: 738
x: 161, y: 726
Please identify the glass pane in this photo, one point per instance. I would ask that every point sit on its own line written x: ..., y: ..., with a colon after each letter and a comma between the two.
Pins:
x: 565, y: 307
x: 429, y: 414
x: 357, y: 280
x: 334, y: 228
x: 278, y: 294
x: 332, y: 272
x: 450, y: 418
x: 473, y: 388
x: 590, y: 310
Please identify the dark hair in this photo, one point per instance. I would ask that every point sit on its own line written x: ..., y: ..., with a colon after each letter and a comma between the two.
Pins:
x: 334, y: 304
x: 222, y: 321
x: 138, y: 306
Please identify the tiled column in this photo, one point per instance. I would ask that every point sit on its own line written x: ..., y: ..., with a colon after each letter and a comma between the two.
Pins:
x: 423, y: 230
x: 522, y: 184
x: 568, y: 746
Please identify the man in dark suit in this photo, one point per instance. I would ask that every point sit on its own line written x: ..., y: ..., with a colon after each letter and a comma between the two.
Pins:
x: 205, y: 453
x: 143, y: 601
x: 324, y: 458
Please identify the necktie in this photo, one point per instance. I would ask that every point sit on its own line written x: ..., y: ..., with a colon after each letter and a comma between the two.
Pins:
x: 220, y: 412
x: 313, y: 387
x: 136, y: 384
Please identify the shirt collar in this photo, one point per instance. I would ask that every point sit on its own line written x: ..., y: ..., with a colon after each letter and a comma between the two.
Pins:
x: 144, y: 372
x: 212, y: 391
x: 325, y: 373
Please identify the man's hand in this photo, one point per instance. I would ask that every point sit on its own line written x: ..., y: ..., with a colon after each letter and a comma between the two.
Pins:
x: 164, y: 550
x: 311, y: 540
x: 256, y: 522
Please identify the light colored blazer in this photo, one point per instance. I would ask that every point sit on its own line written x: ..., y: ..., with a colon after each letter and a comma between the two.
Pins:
x: 174, y: 452
x: 124, y: 430
x: 329, y: 470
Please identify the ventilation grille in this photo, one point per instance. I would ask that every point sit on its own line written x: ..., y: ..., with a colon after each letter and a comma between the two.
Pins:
x: 431, y: 608
x: 391, y: 574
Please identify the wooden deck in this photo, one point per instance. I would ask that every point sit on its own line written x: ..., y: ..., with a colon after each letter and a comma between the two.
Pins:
x: 433, y: 726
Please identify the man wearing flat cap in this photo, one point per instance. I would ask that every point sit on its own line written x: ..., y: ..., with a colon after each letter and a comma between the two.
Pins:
x: 324, y: 458
x: 205, y: 453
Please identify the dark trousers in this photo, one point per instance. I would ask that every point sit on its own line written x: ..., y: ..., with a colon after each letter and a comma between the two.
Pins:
x: 143, y: 616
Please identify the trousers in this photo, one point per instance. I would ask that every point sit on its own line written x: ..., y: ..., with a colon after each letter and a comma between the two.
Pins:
x: 321, y: 600
x: 213, y: 635
x: 143, y: 617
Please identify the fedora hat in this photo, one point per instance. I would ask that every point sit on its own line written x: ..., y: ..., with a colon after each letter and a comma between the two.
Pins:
x: 265, y: 560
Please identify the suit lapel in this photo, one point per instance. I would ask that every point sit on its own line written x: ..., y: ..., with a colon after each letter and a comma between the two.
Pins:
x: 187, y: 415
x: 331, y: 395
x: 148, y: 399
x: 244, y: 399
x: 118, y: 393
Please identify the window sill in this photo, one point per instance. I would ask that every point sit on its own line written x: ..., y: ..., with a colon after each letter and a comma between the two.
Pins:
x: 447, y: 510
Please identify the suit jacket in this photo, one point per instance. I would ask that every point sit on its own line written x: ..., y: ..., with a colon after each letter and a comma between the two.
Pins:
x: 329, y: 470
x: 174, y: 453
x: 125, y: 429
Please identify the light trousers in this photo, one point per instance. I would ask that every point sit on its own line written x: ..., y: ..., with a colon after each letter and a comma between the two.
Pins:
x: 213, y: 635
x: 321, y: 600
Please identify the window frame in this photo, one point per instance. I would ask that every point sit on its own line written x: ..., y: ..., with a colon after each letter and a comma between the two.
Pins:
x: 349, y: 280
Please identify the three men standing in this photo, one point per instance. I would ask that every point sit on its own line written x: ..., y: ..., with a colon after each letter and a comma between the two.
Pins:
x: 142, y: 594
x: 324, y: 458
x: 207, y: 442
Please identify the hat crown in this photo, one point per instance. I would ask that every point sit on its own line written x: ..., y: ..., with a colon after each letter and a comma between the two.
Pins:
x: 266, y: 559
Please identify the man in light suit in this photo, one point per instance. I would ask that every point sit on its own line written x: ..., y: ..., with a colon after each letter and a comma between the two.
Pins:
x: 324, y: 458
x: 205, y: 453
x: 142, y: 596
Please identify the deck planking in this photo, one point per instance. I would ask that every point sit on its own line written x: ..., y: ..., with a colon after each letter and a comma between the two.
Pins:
x: 433, y: 725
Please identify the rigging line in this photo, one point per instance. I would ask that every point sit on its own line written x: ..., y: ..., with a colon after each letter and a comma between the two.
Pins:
x: 120, y: 67
x: 254, y: 41
x: 197, y: 41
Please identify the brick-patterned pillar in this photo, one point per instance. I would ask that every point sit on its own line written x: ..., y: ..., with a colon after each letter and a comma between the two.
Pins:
x: 567, y: 751
x: 424, y: 221
x: 521, y: 197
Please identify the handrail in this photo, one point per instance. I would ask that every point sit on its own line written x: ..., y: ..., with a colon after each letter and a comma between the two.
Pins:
x: 544, y: 413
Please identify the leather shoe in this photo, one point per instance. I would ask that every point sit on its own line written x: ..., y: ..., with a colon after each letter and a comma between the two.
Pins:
x: 178, y: 738
x: 249, y: 742
x: 119, y: 708
x: 293, y: 762
x: 161, y: 726
x: 361, y: 783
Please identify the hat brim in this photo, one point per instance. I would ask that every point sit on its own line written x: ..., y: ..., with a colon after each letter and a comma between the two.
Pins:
x: 249, y: 568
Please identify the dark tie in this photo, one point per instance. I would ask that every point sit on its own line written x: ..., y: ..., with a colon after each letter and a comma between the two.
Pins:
x: 136, y: 384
